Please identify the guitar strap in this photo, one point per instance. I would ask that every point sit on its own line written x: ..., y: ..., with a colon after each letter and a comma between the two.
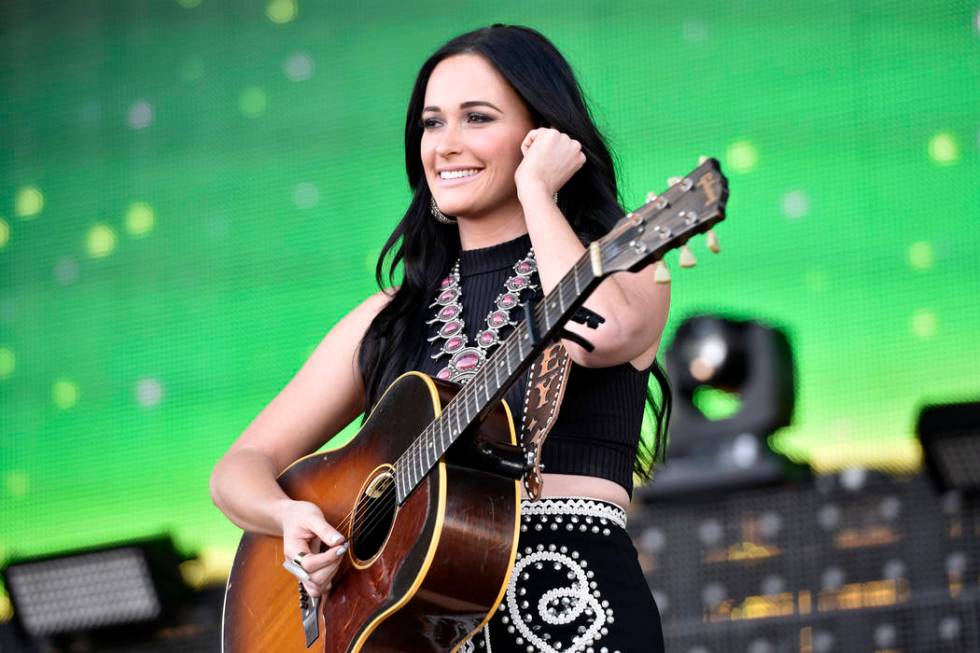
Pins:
x: 545, y: 390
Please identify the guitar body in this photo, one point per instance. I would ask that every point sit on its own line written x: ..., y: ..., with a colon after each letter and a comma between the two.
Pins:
x: 419, y: 577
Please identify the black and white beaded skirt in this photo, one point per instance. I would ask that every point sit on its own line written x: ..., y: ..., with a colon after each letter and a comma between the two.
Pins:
x: 577, y: 586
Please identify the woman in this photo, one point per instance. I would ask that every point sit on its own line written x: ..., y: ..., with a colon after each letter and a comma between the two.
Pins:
x: 506, y: 166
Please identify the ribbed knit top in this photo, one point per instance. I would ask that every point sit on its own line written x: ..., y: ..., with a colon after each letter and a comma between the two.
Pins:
x: 598, y: 427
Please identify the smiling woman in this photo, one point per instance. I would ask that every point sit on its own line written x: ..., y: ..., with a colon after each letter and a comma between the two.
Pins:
x: 473, y: 125
x: 510, y: 179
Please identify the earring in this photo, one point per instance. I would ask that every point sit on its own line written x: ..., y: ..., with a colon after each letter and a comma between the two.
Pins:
x: 555, y: 197
x: 437, y: 214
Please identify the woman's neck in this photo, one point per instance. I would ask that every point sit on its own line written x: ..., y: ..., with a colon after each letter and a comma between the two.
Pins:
x: 491, y: 229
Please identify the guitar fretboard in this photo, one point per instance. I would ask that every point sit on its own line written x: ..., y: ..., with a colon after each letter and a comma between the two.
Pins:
x: 690, y: 206
x: 495, y: 377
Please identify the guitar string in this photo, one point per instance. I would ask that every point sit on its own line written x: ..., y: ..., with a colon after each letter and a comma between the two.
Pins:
x: 374, y: 511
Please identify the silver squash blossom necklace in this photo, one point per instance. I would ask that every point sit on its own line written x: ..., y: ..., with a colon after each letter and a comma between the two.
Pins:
x: 464, y: 358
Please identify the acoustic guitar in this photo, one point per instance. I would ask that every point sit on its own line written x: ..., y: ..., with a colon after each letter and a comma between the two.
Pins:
x: 428, y: 492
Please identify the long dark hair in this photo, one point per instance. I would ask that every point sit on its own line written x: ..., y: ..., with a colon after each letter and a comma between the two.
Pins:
x: 425, y: 248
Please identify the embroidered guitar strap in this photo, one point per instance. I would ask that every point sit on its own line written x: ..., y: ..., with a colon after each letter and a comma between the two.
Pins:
x: 545, y: 390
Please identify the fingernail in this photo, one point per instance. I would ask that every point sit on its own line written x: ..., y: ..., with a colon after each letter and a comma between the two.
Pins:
x: 342, y: 550
x: 335, y: 540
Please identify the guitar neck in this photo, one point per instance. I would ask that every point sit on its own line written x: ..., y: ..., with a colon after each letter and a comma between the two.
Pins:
x: 690, y: 206
x: 498, y: 373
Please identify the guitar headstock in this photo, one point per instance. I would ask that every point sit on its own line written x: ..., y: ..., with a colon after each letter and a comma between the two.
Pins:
x: 692, y: 205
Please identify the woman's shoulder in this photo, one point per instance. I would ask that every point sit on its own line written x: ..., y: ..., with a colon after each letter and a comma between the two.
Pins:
x: 357, y: 321
x: 376, y: 302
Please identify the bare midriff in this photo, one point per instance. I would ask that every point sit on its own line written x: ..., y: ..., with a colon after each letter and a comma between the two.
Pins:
x: 573, y: 485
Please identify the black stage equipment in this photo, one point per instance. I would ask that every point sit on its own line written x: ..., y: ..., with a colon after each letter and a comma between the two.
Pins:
x: 950, y: 437
x: 133, y: 585
x: 748, y: 362
x: 857, y: 561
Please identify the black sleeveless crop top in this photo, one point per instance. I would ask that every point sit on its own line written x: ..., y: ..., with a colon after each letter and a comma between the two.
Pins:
x: 597, y: 431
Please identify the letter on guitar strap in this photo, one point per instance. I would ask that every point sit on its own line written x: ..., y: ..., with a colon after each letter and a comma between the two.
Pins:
x: 545, y: 390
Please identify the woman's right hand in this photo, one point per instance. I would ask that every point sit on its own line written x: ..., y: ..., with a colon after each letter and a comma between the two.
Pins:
x: 303, y: 529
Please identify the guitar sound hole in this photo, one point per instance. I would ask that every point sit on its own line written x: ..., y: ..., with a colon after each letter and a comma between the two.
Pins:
x: 374, y: 517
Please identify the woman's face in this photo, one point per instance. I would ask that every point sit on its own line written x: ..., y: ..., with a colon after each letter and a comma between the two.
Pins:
x: 473, y: 124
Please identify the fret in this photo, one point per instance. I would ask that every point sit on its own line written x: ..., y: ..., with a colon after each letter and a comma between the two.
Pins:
x: 556, y: 303
x: 406, y: 459
x: 563, y: 300
x: 476, y: 408
x: 459, y: 407
x: 418, y: 463
x: 578, y: 290
x: 409, y: 470
x: 486, y: 390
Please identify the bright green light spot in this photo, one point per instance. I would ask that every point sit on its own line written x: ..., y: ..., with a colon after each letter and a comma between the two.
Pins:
x: 716, y: 404
x: 100, y: 241
x: 65, y: 393
x: 140, y: 219
x: 7, y: 362
x: 281, y: 11
x: 921, y: 256
x: 924, y: 323
x: 29, y: 202
x: 18, y: 483
x: 253, y: 101
x: 4, y: 233
x: 742, y: 156
x: 943, y: 149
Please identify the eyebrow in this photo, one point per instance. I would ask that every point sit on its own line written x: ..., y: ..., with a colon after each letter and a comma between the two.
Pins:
x: 466, y: 105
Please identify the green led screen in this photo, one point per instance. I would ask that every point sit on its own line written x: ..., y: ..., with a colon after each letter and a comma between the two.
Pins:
x: 193, y: 192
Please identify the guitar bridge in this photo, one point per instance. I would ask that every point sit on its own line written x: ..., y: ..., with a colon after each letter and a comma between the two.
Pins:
x: 309, y: 610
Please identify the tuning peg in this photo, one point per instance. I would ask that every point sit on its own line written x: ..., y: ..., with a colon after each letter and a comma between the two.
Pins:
x: 651, y: 196
x: 673, y: 180
x: 713, y: 241
x: 660, y: 272
x: 702, y: 159
x: 687, y: 258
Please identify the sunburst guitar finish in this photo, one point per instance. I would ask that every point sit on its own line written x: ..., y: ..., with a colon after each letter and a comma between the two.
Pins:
x: 423, y: 576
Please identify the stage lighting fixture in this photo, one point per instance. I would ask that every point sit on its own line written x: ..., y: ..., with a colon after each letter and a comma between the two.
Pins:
x: 950, y: 438
x: 133, y: 583
x: 746, y: 366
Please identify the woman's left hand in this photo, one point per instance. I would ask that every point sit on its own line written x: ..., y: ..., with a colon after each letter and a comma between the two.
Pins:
x: 550, y: 160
